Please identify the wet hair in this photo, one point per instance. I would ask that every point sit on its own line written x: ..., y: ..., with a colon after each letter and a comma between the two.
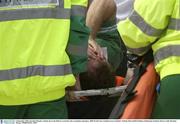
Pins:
x: 99, y: 75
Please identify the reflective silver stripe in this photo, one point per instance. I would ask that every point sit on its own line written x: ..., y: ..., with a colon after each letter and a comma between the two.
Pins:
x: 174, y: 24
x: 78, y: 10
x: 108, y: 29
x: 165, y: 52
x: 41, y: 70
x: 77, y: 50
x: 21, y: 3
x: 61, y: 3
x: 59, y: 13
x: 139, y: 51
x: 124, y: 8
x: 143, y: 26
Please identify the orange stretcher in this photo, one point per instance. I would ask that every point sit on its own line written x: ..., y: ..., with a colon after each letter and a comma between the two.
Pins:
x: 137, y: 100
x: 142, y: 105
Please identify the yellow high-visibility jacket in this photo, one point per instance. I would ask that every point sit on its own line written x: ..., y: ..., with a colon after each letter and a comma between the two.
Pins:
x: 145, y: 24
x: 34, y: 66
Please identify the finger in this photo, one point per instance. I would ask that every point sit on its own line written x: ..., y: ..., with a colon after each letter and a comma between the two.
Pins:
x: 93, y: 50
x: 100, y: 51
x: 101, y: 54
x: 92, y: 46
x: 91, y: 53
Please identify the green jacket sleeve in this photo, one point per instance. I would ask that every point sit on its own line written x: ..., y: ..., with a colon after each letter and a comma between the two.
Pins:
x: 78, y: 39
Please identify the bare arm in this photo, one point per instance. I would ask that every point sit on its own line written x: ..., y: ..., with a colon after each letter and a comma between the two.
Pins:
x: 99, y: 11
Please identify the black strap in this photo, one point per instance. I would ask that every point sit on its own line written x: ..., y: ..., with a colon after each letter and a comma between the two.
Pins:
x: 129, y: 93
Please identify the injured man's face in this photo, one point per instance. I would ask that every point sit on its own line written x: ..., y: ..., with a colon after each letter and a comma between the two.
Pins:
x: 96, y: 56
x: 99, y: 72
x: 95, y: 52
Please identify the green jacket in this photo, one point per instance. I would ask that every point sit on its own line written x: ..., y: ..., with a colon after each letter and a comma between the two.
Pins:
x: 108, y: 37
x: 79, y: 35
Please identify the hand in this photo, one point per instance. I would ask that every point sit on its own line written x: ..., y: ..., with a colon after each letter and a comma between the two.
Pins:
x: 94, y: 50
